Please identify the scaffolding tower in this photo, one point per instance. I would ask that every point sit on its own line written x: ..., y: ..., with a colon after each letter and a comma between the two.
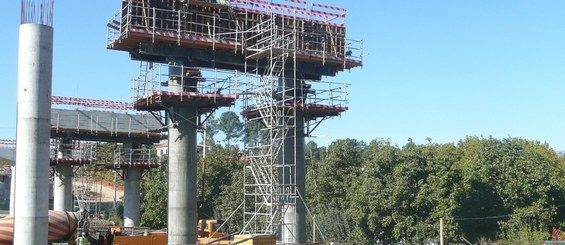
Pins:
x: 279, y: 52
x: 289, y: 107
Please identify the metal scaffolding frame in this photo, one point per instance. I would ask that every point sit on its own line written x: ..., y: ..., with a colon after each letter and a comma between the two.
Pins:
x: 264, y: 196
x: 320, y: 34
x: 275, y: 98
x: 279, y: 53
x: 211, y: 83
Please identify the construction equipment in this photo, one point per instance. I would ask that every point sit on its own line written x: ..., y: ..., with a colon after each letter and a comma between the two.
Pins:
x: 209, y: 232
x: 212, y: 231
x: 62, y: 227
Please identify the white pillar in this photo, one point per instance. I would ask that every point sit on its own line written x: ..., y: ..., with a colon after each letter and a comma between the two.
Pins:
x: 182, y: 207
x: 132, y: 181
x: 63, y: 188
x: 132, y: 188
x: 63, y: 181
x: 33, y: 134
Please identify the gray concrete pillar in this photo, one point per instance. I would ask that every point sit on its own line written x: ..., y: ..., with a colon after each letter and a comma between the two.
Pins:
x: 182, y: 193
x: 132, y: 187
x: 63, y: 188
x: 33, y: 134
x: 294, y: 212
x: 63, y: 180
x: 132, y: 198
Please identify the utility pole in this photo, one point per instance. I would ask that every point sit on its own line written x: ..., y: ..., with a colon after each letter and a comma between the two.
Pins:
x: 114, y: 204
x: 314, y: 228
x: 441, y: 231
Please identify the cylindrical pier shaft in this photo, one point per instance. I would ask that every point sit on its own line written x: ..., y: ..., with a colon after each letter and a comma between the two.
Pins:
x: 33, y: 134
x: 294, y: 231
x: 182, y: 207
x: 132, y: 185
x: 63, y: 181
x: 293, y: 172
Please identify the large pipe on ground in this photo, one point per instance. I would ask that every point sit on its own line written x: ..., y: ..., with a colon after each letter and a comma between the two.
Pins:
x: 61, y: 226
x: 35, y: 61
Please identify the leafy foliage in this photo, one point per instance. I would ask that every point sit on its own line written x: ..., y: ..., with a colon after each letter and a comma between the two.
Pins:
x: 485, y: 189
x: 154, y: 197
x: 504, y: 190
x: 230, y: 125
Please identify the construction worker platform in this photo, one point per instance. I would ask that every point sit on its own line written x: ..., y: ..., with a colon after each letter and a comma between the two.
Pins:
x: 122, y: 165
x: 105, y: 126
x: 311, y: 111
x: 160, y: 100
x: 228, y: 33
x: 70, y: 161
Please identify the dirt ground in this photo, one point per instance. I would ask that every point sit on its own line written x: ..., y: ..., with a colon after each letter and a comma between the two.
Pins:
x: 104, y: 193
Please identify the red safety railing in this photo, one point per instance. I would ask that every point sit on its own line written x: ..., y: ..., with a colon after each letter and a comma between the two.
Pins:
x: 301, y: 9
x: 104, y: 104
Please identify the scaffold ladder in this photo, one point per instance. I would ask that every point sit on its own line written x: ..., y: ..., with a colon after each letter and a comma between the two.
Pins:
x: 273, y: 102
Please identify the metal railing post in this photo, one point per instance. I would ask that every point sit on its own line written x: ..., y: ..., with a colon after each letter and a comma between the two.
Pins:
x: 154, y: 20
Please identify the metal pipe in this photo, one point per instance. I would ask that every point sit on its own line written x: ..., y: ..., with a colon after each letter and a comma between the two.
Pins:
x: 35, y: 61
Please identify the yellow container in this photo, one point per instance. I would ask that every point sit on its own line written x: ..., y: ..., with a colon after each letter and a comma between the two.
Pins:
x: 256, y: 239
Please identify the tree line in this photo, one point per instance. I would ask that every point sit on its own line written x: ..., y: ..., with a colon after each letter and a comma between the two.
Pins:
x: 505, y: 190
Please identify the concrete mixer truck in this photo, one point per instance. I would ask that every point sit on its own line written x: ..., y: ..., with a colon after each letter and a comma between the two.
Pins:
x: 62, y: 227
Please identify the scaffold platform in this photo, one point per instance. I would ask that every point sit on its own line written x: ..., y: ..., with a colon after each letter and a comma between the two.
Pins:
x: 206, y: 102
x: 311, y: 111
x: 122, y: 165
x: 105, y: 126
x: 225, y: 34
x: 70, y: 161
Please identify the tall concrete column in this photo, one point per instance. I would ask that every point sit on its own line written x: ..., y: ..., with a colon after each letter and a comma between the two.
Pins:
x: 182, y: 207
x: 132, y: 191
x: 63, y: 181
x: 33, y: 133
x: 294, y: 231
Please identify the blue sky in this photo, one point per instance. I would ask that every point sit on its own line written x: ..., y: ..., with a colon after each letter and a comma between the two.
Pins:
x: 439, y: 69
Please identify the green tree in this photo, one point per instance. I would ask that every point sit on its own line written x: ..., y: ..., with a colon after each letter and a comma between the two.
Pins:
x: 211, y: 129
x: 223, y: 186
x: 154, y: 197
x: 221, y: 164
x: 230, y: 125
x: 515, y: 180
x: 328, y: 183
x: 252, y: 133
